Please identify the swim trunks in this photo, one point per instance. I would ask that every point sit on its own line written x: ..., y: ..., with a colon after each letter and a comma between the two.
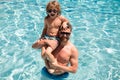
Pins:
x: 51, y: 37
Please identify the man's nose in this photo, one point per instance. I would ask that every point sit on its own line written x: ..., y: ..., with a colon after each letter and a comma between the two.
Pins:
x: 64, y: 28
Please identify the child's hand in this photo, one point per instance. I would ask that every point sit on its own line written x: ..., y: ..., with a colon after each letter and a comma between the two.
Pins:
x: 64, y: 25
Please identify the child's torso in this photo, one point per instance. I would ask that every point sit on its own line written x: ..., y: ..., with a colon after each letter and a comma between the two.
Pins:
x: 53, y: 26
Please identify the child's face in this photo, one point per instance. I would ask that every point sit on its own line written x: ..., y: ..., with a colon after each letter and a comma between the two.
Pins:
x: 52, y: 13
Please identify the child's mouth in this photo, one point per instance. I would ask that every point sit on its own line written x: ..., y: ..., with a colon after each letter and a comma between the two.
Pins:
x: 52, y: 14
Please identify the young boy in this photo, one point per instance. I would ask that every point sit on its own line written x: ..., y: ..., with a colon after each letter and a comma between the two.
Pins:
x: 49, y: 39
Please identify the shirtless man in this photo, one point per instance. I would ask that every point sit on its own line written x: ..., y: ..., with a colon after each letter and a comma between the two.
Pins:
x: 66, y: 55
x: 49, y: 39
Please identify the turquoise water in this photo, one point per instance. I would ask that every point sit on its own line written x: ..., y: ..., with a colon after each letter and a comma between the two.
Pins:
x: 96, y: 34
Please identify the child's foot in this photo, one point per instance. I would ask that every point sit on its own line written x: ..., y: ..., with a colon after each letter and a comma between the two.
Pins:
x: 51, y: 70
x: 36, y: 44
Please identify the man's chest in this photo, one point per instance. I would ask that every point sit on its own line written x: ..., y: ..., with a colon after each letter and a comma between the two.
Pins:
x: 64, y: 54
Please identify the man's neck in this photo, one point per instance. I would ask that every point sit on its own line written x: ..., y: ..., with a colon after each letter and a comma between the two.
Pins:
x: 62, y: 44
x: 60, y: 47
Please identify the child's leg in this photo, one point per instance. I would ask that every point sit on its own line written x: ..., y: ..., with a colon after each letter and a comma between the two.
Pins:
x: 38, y: 44
x: 50, y: 70
x: 43, y: 52
x: 49, y: 55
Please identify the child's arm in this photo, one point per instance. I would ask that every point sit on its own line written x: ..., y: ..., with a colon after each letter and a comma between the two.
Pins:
x: 64, y: 21
x: 44, y: 30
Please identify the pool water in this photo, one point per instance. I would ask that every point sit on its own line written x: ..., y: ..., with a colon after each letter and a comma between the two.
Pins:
x: 96, y: 34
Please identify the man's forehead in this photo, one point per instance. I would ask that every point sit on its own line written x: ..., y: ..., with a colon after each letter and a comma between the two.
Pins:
x: 66, y: 30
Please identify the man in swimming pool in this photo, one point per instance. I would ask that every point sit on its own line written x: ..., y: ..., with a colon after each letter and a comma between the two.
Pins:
x: 66, y: 54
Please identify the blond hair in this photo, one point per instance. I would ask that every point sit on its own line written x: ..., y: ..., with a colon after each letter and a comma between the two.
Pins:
x: 53, y: 4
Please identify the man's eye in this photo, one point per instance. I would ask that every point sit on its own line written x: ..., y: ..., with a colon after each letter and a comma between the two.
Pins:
x: 68, y: 27
x: 61, y: 27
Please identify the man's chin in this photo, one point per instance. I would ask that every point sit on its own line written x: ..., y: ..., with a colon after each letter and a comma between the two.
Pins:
x: 64, y: 42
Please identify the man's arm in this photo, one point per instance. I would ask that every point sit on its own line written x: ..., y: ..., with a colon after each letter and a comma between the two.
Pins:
x: 73, y: 63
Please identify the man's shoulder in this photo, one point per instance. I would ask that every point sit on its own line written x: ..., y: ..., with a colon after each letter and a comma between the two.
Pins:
x: 73, y: 47
x: 71, y: 44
